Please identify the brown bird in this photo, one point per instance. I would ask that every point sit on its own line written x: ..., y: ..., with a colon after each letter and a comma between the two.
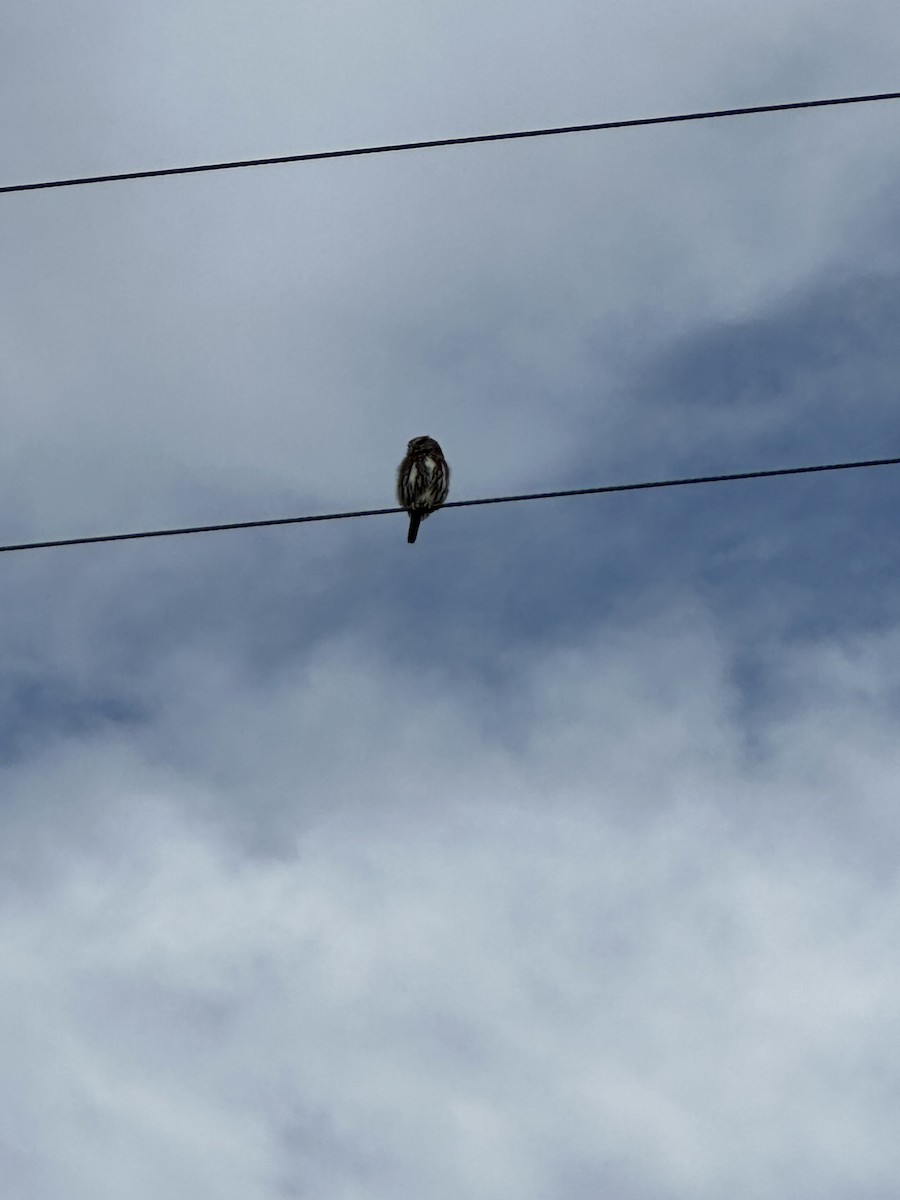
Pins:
x: 423, y: 481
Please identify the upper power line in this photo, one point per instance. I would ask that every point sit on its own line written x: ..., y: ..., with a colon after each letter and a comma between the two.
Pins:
x: 382, y: 512
x: 393, y: 148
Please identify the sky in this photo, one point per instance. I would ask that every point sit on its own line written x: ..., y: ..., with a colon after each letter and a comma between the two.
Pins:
x: 554, y: 856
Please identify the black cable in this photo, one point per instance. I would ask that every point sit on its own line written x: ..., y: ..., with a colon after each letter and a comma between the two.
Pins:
x: 382, y: 512
x: 454, y: 141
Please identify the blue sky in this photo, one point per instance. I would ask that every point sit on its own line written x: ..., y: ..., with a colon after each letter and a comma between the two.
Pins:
x: 554, y: 856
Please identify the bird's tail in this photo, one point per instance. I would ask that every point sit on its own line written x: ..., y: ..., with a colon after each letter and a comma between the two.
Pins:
x: 414, y: 519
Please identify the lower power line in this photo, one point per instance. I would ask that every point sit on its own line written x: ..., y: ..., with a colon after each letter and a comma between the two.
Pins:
x: 605, y: 489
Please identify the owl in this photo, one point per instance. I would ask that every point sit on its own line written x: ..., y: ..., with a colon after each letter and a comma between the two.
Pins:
x: 423, y: 481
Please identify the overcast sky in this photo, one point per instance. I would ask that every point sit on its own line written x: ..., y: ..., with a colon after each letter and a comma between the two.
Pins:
x: 552, y: 857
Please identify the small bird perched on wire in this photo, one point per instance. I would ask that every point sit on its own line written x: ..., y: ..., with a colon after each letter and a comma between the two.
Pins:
x: 423, y: 481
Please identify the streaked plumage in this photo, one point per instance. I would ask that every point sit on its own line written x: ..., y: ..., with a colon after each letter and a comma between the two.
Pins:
x: 423, y: 481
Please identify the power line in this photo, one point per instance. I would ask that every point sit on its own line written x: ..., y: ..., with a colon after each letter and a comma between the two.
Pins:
x: 382, y: 512
x: 434, y: 143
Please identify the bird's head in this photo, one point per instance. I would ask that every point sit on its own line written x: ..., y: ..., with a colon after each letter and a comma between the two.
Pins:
x: 421, y: 445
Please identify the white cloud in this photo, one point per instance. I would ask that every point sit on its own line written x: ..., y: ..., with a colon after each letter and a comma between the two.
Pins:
x: 622, y: 950
x: 285, y: 912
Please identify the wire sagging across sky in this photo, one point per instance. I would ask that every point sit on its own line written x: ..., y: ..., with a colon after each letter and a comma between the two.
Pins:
x: 604, y: 489
x: 435, y: 143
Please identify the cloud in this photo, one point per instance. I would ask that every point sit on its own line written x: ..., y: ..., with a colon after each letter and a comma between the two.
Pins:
x: 612, y: 947
x: 555, y: 857
x: 272, y: 338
